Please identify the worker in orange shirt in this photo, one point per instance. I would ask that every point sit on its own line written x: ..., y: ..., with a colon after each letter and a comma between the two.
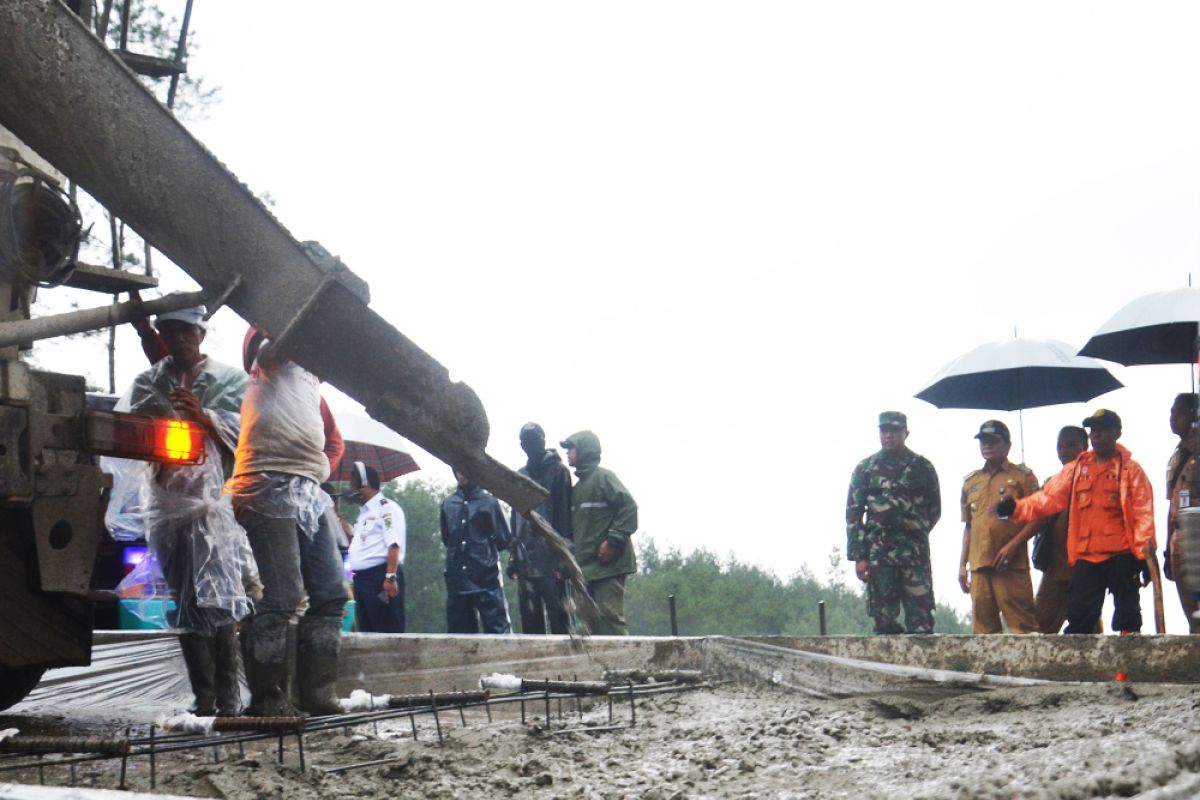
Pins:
x: 1111, y: 526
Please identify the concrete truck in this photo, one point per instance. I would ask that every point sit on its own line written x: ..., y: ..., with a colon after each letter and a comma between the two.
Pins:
x: 76, y: 105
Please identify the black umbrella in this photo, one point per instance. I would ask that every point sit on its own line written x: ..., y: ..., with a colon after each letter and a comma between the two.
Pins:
x: 1017, y: 374
x: 1157, y: 328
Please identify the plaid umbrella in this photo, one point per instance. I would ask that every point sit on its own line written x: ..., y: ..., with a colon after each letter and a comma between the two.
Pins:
x: 388, y: 463
x: 375, y: 445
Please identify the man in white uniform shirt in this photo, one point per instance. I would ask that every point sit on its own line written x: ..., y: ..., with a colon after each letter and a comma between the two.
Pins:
x: 377, y: 556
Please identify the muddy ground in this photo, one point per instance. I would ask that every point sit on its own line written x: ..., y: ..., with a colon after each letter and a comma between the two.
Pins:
x: 1053, y: 741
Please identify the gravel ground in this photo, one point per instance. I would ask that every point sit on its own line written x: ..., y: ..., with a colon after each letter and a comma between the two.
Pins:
x: 1053, y: 741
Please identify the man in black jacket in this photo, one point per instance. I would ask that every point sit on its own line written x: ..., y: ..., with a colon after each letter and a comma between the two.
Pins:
x: 540, y: 587
x: 474, y: 531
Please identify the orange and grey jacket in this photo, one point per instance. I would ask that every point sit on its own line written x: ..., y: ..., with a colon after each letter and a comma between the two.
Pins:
x: 1129, y: 533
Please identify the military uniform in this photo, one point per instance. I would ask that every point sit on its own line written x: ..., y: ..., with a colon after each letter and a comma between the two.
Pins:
x: 893, y: 503
x: 1006, y: 593
x: 1180, y: 482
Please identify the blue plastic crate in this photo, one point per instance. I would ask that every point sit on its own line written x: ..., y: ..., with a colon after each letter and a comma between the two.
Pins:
x: 149, y: 614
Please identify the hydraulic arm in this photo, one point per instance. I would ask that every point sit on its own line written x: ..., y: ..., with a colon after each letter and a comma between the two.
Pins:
x: 80, y: 108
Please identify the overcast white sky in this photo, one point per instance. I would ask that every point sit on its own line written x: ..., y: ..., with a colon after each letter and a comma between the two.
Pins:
x: 723, y: 236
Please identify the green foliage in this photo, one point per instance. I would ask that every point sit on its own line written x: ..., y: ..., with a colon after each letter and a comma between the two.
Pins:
x: 424, y: 588
x: 153, y: 32
x: 733, y: 598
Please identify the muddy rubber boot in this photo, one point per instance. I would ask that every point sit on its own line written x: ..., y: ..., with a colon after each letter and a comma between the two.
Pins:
x: 319, y: 641
x: 264, y: 647
x: 225, y: 660
x: 198, y: 657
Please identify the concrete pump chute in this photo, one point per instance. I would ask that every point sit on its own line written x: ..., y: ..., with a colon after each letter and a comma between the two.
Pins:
x: 80, y: 108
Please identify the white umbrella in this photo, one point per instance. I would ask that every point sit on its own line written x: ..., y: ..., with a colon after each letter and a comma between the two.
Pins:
x: 1157, y: 328
x: 1016, y: 374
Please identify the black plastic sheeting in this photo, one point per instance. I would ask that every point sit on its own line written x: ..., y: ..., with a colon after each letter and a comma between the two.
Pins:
x: 136, y: 679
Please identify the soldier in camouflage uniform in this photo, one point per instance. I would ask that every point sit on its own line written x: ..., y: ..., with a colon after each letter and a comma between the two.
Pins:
x: 894, y: 502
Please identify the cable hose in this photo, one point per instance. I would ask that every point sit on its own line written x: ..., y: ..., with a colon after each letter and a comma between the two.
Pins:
x: 40, y: 229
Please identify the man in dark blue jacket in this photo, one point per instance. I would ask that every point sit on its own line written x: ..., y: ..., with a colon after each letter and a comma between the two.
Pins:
x: 474, y: 531
x: 540, y: 588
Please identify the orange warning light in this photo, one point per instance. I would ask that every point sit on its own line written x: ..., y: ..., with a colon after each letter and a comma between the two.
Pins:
x: 177, y: 440
x: 170, y: 441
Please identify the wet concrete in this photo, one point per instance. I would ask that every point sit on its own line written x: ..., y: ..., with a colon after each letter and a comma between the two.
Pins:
x: 409, y: 663
x: 798, y: 722
x: 1155, y: 659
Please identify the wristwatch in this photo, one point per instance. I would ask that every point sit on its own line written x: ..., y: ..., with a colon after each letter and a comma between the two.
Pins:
x: 391, y: 576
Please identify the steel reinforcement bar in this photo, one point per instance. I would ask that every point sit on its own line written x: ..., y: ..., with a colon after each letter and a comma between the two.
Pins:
x: 157, y: 744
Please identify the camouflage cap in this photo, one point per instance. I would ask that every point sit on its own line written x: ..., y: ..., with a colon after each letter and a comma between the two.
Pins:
x: 1103, y: 418
x: 994, y: 427
x: 893, y: 419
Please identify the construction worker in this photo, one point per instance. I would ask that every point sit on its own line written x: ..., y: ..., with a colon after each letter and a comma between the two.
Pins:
x: 893, y: 503
x: 335, y: 446
x: 1111, y: 526
x: 377, y: 555
x: 603, y: 518
x: 474, y: 532
x: 276, y: 490
x: 189, y: 522
x: 995, y: 574
x: 1180, y: 483
x: 540, y: 588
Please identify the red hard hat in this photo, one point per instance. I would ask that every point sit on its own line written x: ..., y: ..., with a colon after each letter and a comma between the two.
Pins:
x: 253, y: 341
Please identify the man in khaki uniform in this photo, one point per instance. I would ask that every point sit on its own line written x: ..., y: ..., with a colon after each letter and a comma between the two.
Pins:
x: 997, y: 580
x: 1051, y: 599
x: 1180, y: 480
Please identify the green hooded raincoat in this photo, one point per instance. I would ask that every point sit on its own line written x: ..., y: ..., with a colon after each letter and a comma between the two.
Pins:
x: 601, y: 508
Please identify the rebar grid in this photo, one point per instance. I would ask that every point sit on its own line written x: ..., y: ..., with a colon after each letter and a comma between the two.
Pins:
x: 158, y: 743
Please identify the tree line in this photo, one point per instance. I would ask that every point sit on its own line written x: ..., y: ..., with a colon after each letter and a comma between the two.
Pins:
x: 713, y: 595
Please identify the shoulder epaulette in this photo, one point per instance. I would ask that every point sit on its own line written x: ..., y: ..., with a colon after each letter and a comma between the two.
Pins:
x: 970, y: 475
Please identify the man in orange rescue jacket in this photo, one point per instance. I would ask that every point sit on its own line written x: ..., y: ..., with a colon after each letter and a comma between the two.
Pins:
x: 1111, y: 525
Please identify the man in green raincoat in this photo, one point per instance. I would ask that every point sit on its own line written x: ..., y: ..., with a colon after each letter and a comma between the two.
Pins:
x: 604, y: 516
